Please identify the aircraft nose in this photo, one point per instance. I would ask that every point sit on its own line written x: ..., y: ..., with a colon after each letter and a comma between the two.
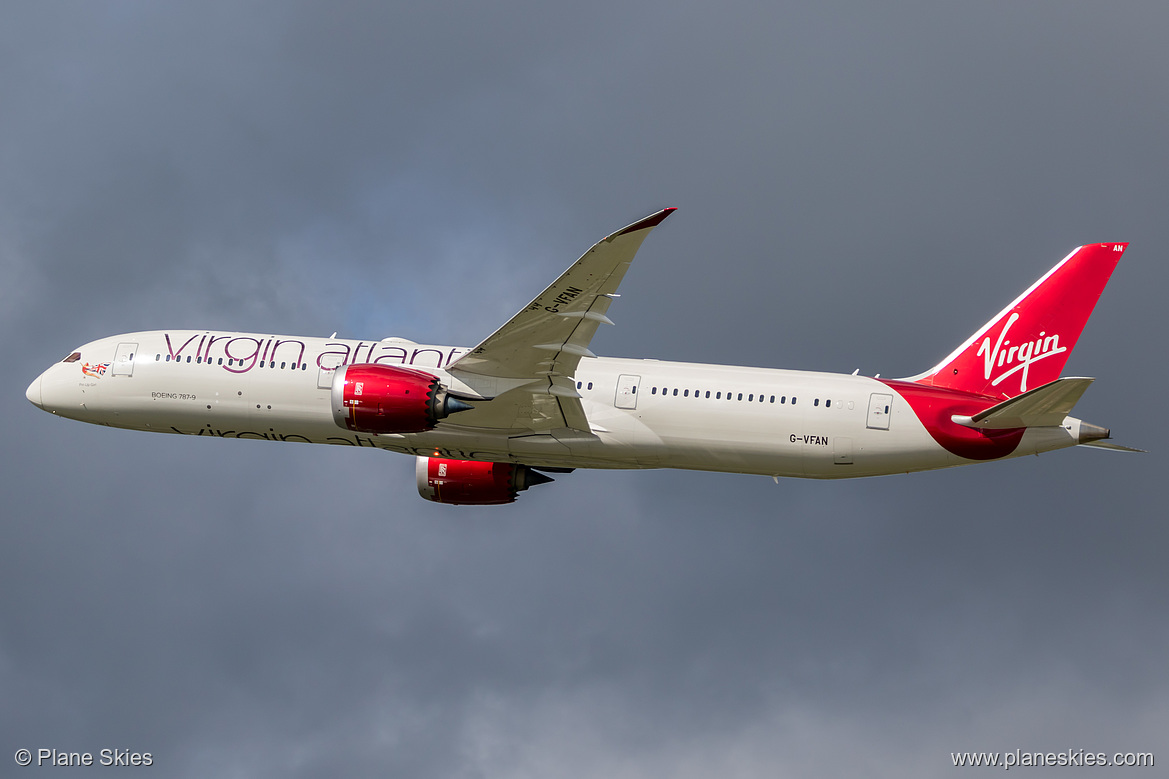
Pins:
x: 33, y: 393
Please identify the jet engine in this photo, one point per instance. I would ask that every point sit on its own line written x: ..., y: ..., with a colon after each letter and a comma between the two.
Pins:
x: 473, y: 483
x: 369, y: 398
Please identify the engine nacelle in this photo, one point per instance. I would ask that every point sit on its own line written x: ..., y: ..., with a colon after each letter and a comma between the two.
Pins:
x: 369, y: 398
x: 473, y: 483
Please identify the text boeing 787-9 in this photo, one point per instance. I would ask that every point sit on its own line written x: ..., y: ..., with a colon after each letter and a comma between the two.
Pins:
x: 490, y: 421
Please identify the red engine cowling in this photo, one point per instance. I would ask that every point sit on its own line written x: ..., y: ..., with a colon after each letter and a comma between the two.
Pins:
x: 473, y: 483
x: 368, y: 398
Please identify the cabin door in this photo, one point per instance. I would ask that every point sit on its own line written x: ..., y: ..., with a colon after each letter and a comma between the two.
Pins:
x: 124, y: 360
x: 626, y: 391
x: 880, y: 405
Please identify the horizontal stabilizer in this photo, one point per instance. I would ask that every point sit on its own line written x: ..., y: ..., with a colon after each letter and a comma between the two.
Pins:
x: 1045, y: 406
x: 1113, y: 447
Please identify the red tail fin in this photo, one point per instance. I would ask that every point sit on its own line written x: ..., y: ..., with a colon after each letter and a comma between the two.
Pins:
x: 1027, y: 344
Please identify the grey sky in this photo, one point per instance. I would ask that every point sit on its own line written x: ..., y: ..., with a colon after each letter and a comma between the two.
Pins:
x: 859, y: 186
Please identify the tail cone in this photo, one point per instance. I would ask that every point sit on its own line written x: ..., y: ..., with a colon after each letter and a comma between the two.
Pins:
x: 1089, y: 433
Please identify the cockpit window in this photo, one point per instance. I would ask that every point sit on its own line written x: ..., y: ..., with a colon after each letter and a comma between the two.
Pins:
x: 73, y: 357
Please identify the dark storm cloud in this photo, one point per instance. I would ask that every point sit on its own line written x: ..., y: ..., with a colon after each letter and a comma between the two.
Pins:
x: 859, y: 187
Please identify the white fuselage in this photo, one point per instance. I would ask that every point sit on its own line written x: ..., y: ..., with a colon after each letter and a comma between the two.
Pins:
x: 642, y: 413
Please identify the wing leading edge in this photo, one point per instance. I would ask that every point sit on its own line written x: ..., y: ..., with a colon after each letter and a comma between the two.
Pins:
x: 526, y: 367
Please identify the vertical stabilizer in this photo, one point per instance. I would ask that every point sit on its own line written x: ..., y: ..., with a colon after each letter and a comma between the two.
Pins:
x: 1027, y: 343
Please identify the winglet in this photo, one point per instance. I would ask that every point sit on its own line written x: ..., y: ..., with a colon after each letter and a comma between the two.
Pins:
x: 653, y: 220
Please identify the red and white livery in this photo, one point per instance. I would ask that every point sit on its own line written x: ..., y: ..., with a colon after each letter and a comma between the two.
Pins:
x: 488, y: 422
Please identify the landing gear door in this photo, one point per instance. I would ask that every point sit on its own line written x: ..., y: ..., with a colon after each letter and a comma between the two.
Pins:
x: 329, y: 364
x: 124, y: 360
x: 626, y: 391
x: 880, y: 405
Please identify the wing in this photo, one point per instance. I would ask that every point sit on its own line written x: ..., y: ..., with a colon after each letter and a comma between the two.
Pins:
x: 526, y: 367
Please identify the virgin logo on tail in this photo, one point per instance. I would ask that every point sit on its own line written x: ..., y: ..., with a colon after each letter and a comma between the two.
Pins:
x: 1026, y: 354
x: 1047, y: 320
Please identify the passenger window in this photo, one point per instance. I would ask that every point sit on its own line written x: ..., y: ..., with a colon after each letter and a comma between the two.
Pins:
x: 675, y: 392
x: 816, y: 402
x: 590, y: 385
x: 282, y: 365
x: 828, y: 403
x: 718, y: 396
x: 772, y: 398
x: 708, y: 393
x: 188, y: 358
x: 793, y: 400
x: 157, y: 357
x: 740, y: 396
x: 751, y: 396
x: 685, y: 393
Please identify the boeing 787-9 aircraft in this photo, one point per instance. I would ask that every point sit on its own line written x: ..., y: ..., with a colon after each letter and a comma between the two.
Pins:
x: 531, y: 399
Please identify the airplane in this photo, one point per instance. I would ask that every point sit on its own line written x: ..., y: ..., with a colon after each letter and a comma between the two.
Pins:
x: 488, y: 422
